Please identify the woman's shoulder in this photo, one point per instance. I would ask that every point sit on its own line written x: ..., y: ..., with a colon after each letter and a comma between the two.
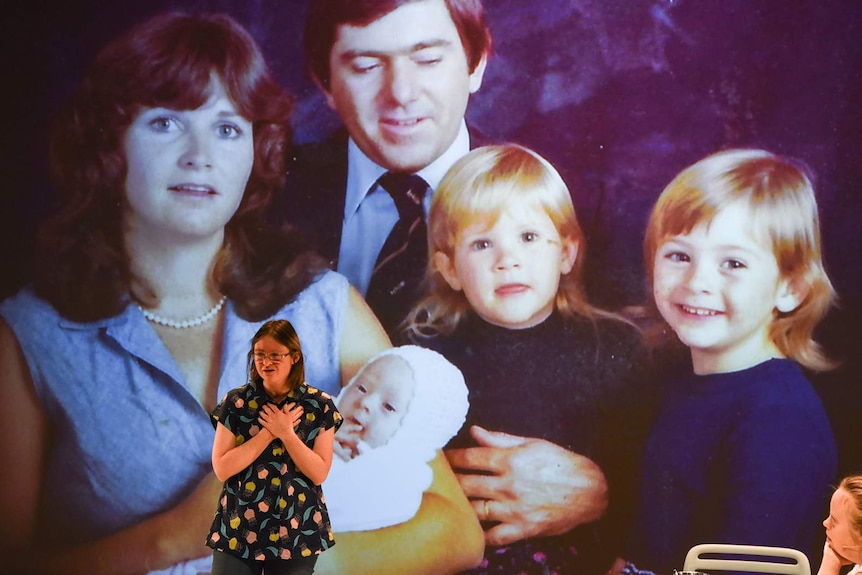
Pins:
x: 327, y: 282
x: 327, y: 292
x: 26, y: 305
x: 309, y: 392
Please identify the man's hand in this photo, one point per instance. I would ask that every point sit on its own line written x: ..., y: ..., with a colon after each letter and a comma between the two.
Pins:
x: 527, y: 487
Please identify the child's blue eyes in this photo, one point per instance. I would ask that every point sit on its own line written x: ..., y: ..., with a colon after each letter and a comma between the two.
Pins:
x: 682, y: 257
x: 526, y: 237
x: 733, y: 264
x: 677, y: 257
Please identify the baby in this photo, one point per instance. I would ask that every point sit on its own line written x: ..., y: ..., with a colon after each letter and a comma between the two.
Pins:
x: 399, y: 410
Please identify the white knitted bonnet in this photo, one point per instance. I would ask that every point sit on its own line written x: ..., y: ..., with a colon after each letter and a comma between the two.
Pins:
x: 439, y: 404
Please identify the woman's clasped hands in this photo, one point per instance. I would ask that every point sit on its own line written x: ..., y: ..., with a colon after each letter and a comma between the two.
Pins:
x: 280, y: 423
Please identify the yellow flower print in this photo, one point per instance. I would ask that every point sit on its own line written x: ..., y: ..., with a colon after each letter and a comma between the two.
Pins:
x: 277, y: 450
x: 250, y: 486
x: 273, y: 536
x: 301, y: 497
x: 311, y: 417
x: 252, y: 403
x: 234, y: 522
x: 276, y: 481
x: 282, y: 503
x: 306, y: 552
x: 232, y: 543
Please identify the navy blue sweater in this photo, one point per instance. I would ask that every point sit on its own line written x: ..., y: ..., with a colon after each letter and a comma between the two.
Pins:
x: 742, y: 457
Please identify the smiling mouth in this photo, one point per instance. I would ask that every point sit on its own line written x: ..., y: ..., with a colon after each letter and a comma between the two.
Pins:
x: 698, y: 311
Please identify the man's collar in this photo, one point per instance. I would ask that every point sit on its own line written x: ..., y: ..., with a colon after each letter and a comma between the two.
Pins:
x: 362, y: 172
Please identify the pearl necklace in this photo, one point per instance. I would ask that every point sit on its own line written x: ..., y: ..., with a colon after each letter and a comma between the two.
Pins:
x: 193, y: 322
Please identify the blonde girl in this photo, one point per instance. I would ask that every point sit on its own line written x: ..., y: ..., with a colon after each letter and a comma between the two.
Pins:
x: 548, y: 374
x: 733, y: 255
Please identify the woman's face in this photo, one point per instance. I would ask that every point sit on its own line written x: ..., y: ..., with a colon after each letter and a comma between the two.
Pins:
x: 187, y: 169
x: 841, y: 535
x: 273, y: 362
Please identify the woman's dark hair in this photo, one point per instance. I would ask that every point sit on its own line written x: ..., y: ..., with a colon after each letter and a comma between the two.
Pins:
x: 281, y: 331
x: 168, y: 61
x: 325, y: 16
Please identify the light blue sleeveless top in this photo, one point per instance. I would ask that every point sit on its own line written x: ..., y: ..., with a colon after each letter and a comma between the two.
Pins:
x: 130, y: 439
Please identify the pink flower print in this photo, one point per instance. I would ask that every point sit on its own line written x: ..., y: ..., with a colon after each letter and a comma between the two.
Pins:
x: 251, y: 537
x: 283, y: 468
x: 263, y: 506
x: 239, y: 402
x: 318, y: 517
x: 215, y: 537
x: 290, y: 490
x: 223, y: 500
x: 259, y: 556
x: 284, y: 554
x: 249, y: 515
x: 539, y: 557
x: 262, y: 473
x: 294, y: 522
x: 282, y: 532
x: 253, y: 430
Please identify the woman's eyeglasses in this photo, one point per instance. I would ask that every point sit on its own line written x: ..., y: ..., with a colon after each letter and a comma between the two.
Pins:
x: 271, y: 357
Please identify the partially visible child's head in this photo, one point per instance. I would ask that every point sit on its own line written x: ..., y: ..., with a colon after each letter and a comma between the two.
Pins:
x: 406, y: 394
x: 732, y: 250
x: 844, y: 523
x: 504, y: 241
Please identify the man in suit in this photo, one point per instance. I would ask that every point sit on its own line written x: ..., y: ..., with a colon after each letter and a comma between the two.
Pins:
x: 399, y: 73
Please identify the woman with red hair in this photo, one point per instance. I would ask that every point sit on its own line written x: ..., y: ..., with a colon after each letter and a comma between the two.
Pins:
x: 152, y: 278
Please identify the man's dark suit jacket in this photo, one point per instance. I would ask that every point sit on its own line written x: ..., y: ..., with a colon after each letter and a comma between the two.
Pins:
x: 315, y: 193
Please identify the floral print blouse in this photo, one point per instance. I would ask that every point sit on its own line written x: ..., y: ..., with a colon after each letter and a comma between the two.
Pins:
x: 271, y: 510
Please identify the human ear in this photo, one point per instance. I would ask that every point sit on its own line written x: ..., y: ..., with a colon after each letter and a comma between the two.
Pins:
x: 330, y: 101
x: 477, y: 74
x: 569, y: 256
x: 791, y: 293
x: 446, y: 266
